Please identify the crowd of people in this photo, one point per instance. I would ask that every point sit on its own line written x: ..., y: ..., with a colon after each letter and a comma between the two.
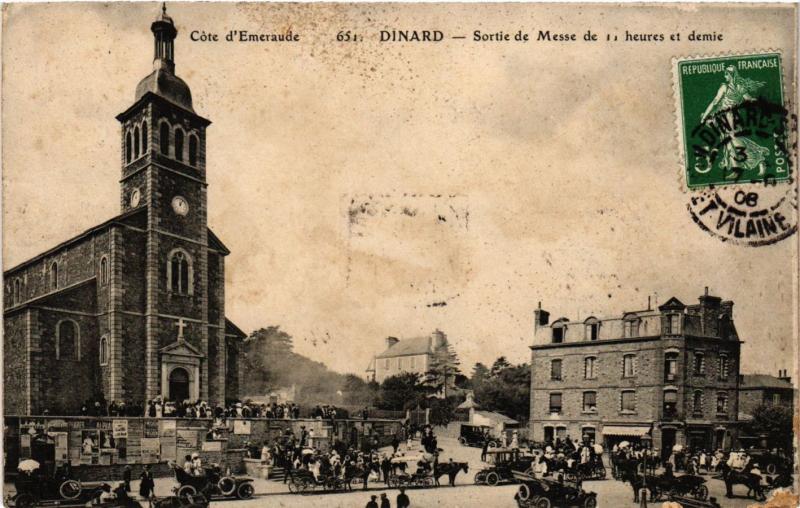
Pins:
x: 565, y: 455
x: 160, y: 407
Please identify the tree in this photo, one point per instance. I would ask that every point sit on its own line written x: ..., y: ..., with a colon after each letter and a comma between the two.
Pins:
x: 773, y: 421
x: 498, y: 366
x: 442, y: 369
x: 506, y: 390
x: 442, y: 410
x: 479, y: 373
x: 400, y: 392
x: 357, y: 392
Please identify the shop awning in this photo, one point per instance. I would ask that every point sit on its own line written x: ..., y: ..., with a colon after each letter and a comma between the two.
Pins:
x: 625, y: 430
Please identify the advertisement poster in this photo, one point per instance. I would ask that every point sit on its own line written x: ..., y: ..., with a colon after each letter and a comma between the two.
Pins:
x: 150, y: 450
x: 167, y: 428
x: 119, y: 429
x: 241, y: 427
x: 90, y: 449
x: 61, y: 441
x: 151, y: 428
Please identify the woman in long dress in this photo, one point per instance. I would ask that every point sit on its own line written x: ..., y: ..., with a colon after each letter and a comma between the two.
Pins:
x: 146, y: 485
x: 740, y: 153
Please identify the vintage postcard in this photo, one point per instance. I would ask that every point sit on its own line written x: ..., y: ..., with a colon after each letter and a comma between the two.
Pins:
x: 399, y: 254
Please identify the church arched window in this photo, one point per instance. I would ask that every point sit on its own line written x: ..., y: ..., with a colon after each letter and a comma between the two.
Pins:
x: 192, y: 150
x: 54, y: 276
x: 145, y: 139
x: 103, y: 350
x: 104, y: 270
x: 67, y: 340
x: 135, y: 142
x: 179, y: 272
x: 17, y: 298
x: 179, y: 144
x: 128, y: 147
x: 163, y: 137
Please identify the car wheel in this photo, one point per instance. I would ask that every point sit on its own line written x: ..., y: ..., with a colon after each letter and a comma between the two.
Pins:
x: 590, y: 502
x: 186, y: 490
x: 772, y: 468
x: 480, y: 478
x: 24, y: 501
x: 462, y: 441
x: 492, y: 479
x: 542, y: 502
x: 245, y: 491
x: 701, y: 492
x: 70, y: 489
x: 227, y: 486
x: 524, y: 492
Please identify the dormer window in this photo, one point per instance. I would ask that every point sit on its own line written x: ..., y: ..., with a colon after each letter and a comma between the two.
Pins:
x: 559, y: 330
x: 631, y: 328
x: 672, y: 324
x: 592, y: 329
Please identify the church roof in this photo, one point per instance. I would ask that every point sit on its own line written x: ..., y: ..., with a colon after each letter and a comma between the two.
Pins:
x: 405, y: 347
x: 215, y: 243
x: 118, y: 220
x: 232, y: 329
x: 164, y: 83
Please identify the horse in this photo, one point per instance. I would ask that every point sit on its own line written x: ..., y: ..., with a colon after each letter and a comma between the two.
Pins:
x: 628, y: 471
x: 450, y: 469
x: 752, y: 481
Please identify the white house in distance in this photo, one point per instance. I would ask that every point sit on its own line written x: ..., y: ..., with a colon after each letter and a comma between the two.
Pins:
x: 407, y: 355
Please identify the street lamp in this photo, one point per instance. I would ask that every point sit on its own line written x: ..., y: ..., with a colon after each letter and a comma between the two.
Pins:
x: 646, y: 443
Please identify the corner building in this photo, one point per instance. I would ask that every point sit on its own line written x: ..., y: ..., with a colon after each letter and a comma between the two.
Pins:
x: 671, y: 374
x: 134, y: 307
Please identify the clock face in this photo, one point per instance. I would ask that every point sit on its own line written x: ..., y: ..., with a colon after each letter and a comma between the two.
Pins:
x: 135, y: 197
x: 180, y: 205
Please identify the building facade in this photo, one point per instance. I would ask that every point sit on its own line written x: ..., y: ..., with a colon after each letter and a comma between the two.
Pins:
x: 408, y: 355
x: 762, y: 389
x: 669, y: 373
x: 134, y: 307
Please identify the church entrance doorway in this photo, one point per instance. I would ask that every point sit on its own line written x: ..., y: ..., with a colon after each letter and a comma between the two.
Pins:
x: 179, y: 384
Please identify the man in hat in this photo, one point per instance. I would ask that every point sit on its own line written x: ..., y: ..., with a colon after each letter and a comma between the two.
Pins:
x: 385, y: 501
x: 402, y: 499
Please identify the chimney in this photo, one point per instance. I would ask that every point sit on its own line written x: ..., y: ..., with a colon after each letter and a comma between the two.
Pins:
x: 709, y: 314
x: 648, y: 303
x: 391, y: 341
x: 540, y: 317
x: 439, y: 339
x: 783, y: 375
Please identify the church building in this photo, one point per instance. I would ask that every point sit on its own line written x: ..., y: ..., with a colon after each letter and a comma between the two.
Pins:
x: 132, y: 308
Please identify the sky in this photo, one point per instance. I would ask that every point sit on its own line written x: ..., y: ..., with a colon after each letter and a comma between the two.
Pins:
x: 368, y: 190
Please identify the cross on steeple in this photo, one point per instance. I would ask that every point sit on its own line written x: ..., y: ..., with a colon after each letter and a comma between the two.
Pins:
x: 181, y: 324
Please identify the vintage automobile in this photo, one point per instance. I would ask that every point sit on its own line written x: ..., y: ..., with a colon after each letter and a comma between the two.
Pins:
x: 770, y: 463
x: 476, y: 435
x: 684, y: 485
x: 212, y: 484
x: 33, y: 485
x: 546, y: 493
x: 503, y: 462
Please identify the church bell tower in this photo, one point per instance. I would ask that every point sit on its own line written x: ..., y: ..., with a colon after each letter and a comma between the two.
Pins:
x: 164, y: 172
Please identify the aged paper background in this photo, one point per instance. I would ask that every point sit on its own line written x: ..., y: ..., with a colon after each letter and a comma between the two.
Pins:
x: 497, y: 174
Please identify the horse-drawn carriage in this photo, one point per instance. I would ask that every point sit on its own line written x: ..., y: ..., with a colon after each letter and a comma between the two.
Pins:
x: 421, y: 477
x: 684, y: 486
x: 503, y: 463
x: 212, y: 484
x: 545, y: 493
x: 33, y: 486
x: 302, y: 481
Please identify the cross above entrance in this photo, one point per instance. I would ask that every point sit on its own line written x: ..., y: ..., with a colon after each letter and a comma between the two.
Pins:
x: 181, y: 324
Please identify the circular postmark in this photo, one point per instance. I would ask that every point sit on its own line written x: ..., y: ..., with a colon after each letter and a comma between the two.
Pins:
x: 738, y: 145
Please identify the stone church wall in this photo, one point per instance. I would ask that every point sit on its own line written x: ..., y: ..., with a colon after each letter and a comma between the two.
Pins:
x: 15, y: 364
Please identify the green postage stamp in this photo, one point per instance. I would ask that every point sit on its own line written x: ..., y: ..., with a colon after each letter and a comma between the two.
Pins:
x: 732, y: 119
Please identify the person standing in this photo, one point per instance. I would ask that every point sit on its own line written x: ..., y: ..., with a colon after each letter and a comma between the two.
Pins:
x: 126, y: 477
x: 385, y: 501
x: 372, y: 503
x: 386, y: 467
x: 402, y: 499
x: 484, y: 447
x: 146, y: 484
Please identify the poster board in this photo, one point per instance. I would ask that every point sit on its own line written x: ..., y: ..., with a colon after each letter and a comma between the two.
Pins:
x: 149, y: 450
x: 241, y: 427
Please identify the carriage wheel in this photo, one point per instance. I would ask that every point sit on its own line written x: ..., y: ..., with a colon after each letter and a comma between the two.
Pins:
x: 427, y: 481
x: 492, y: 479
x: 590, y: 502
x: 542, y: 502
x: 245, y: 491
x: 462, y: 441
x: 772, y: 468
x: 600, y: 472
x: 25, y: 501
x: 524, y: 492
x: 70, y: 489
x: 701, y: 492
x: 480, y: 477
x: 293, y: 487
x: 186, y: 490
x: 227, y: 486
